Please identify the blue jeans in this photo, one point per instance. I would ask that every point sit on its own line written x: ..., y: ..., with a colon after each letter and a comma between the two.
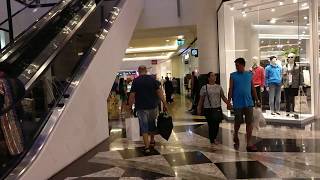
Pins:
x: 147, y: 120
x: 274, y: 97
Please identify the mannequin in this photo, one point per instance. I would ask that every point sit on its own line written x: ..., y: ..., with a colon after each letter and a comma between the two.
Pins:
x: 273, y: 83
x: 292, y: 80
x: 258, y: 76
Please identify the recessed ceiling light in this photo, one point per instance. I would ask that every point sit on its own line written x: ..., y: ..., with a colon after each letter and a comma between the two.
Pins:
x: 306, y: 17
x: 281, y: 3
x: 245, y: 4
x: 244, y: 14
x: 295, y: 1
x: 273, y: 21
x: 303, y: 32
x: 231, y: 7
x: 167, y: 40
x: 273, y: 10
x: 305, y: 27
x: 180, y: 37
x: 304, y: 5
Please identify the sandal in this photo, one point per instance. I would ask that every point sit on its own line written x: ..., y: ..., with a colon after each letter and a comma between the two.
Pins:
x: 236, y: 142
x: 147, y: 150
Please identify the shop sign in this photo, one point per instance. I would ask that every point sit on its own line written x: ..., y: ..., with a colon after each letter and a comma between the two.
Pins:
x: 194, y: 52
x: 180, y: 42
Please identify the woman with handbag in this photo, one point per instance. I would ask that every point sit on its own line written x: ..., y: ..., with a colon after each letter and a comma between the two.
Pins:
x: 210, y: 99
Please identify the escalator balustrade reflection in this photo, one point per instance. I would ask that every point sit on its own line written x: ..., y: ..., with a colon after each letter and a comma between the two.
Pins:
x: 46, y: 71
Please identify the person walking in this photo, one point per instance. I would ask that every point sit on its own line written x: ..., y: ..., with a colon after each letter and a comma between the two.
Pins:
x: 175, y: 85
x: 11, y: 93
x: 211, y: 95
x: 145, y: 94
x: 168, y: 88
x: 240, y: 92
x: 123, y: 93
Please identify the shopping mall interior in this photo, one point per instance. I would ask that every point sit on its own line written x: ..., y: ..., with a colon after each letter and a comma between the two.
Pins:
x: 68, y: 81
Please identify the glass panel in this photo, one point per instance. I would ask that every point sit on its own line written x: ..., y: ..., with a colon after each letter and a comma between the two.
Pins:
x: 273, y: 37
x: 46, y: 93
x: 23, y: 16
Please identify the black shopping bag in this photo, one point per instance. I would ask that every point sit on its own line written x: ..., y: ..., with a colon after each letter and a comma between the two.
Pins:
x: 165, y: 125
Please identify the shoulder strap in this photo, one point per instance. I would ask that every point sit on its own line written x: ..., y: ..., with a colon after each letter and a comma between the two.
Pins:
x: 208, y: 96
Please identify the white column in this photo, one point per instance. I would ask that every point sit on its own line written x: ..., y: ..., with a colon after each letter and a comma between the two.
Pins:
x: 314, y: 62
x: 207, y: 36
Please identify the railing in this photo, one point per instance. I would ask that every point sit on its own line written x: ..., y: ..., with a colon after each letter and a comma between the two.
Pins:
x: 22, y: 19
x: 55, y: 78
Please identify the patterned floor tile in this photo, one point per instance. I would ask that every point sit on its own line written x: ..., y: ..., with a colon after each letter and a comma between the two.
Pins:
x: 136, y: 152
x: 143, y: 174
x: 156, y: 159
x: 208, y: 169
x: 186, y: 158
x: 113, y: 172
x: 245, y: 170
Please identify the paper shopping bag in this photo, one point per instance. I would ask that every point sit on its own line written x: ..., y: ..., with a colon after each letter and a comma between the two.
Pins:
x: 133, y: 129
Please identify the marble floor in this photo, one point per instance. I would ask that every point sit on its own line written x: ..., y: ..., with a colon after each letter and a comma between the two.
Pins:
x: 284, y: 153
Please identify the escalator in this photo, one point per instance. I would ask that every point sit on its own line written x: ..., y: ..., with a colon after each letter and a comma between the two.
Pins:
x: 60, y: 61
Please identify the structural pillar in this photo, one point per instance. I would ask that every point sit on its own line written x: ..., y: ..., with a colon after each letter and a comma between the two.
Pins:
x: 207, y: 36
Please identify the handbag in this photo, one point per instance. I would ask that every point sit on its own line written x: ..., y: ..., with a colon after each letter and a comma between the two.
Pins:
x: 301, y: 102
x: 164, y: 125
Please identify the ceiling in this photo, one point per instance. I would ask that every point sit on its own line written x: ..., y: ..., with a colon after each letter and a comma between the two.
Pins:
x: 154, y: 42
x: 284, y: 12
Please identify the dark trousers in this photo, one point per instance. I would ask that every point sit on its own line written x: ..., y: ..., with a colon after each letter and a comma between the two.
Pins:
x: 213, y: 117
x: 169, y: 97
x: 258, y: 90
x: 290, y: 93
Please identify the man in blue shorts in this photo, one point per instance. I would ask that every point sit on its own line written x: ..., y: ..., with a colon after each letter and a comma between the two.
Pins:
x: 145, y: 94
x: 240, y: 92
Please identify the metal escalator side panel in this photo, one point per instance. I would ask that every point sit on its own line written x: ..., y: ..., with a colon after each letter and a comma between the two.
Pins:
x: 40, y: 142
x: 44, y: 59
x: 33, y: 30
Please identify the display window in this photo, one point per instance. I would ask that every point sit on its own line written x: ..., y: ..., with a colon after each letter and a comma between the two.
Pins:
x: 274, y: 37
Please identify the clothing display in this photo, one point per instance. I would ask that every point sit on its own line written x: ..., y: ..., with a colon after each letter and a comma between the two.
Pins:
x: 273, y: 82
x: 292, y: 80
x: 258, y: 76
x: 273, y: 75
x: 274, y: 97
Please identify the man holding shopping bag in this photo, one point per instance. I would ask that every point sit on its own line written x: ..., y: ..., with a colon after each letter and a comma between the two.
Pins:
x: 145, y: 94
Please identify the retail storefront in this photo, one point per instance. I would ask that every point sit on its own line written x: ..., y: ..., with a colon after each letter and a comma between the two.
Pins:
x: 280, y: 42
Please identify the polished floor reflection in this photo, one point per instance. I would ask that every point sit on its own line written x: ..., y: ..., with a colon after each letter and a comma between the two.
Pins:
x: 284, y: 153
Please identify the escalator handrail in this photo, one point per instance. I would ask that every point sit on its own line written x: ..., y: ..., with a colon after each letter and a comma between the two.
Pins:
x: 53, y: 117
x: 30, y: 32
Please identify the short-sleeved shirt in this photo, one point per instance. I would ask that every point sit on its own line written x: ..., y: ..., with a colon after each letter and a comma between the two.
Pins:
x: 241, y: 92
x: 215, y: 92
x: 145, y: 88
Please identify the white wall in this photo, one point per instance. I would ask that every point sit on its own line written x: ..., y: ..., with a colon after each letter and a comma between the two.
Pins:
x: 86, y: 111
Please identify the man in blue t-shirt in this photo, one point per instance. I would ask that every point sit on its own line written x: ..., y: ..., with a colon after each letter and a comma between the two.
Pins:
x: 146, y: 93
x: 240, y: 92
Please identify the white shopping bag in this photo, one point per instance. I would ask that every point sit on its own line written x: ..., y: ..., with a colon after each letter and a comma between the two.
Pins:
x: 258, y: 118
x: 133, y: 129
x: 306, y: 77
x: 301, y: 102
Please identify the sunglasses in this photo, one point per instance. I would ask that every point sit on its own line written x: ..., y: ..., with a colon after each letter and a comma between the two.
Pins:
x: 290, y: 57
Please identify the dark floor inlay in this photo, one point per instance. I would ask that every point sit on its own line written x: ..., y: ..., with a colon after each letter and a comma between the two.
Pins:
x: 245, y: 170
x: 143, y: 174
x: 289, y: 145
x: 186, y: 158
x: 137, y: 152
